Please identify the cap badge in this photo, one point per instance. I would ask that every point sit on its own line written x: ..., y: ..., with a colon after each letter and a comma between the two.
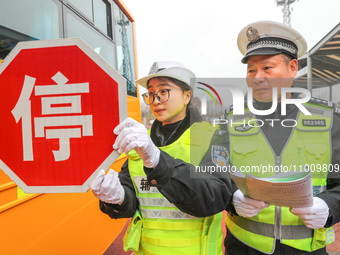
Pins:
x: 252, y: 34
x: 154, y: 68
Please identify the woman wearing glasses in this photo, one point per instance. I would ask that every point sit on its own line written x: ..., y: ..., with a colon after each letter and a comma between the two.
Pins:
x: 160, y: 177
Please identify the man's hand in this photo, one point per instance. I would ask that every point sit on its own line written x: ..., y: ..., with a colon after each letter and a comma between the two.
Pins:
x: 133, y: 135
x: 246, y: 206
x: 107, y: 188
x: 314, y: 216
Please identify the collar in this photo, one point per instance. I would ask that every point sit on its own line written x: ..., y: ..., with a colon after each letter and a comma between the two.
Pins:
x: 167, y: 134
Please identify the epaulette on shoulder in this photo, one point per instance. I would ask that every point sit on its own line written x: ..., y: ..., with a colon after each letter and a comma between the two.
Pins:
x: 321, y: 102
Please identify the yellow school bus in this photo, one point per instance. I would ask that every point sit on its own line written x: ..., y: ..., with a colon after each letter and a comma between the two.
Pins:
x: 66, y: 223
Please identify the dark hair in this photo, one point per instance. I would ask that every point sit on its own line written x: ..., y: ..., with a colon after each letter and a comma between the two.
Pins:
x: 184, y: 87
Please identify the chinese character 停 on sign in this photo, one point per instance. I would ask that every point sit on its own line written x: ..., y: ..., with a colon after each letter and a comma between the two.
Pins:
x: 55, y: 100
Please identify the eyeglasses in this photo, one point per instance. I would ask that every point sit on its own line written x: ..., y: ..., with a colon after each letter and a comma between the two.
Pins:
x: 162, y: 95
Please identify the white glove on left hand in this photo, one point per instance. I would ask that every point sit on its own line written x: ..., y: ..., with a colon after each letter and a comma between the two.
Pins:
x: 314, y: 216
x: 107, y: 188
x: 133, y: 135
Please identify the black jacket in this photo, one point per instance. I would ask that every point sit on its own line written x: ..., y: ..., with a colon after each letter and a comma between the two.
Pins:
x: 199, y: 194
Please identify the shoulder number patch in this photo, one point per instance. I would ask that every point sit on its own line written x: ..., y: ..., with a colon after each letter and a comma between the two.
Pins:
x: 314, y: 123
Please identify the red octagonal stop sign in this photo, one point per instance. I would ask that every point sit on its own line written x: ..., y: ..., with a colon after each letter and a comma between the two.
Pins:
x: 59, y: 104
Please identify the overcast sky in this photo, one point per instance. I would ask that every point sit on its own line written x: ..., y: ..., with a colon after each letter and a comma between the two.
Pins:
x: 203, y: 34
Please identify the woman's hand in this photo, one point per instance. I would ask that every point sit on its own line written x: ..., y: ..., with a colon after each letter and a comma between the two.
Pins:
x: 107, y: 188
x: 133, y: 135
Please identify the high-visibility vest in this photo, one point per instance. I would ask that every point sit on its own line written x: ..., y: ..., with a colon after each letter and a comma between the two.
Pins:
x: 309, y: 143
x: 164, y: 228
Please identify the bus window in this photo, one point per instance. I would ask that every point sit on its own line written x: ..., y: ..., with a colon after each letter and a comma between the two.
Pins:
x: 97, y: 11
x: 75, y: 27
x: 37, y: 19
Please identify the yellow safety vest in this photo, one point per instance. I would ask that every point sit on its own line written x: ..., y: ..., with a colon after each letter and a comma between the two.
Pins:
x: 310, y: 144
x: 164, y: 228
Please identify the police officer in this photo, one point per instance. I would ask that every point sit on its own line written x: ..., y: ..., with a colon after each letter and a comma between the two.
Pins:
x: 270, y: 51
x: 160, y: 175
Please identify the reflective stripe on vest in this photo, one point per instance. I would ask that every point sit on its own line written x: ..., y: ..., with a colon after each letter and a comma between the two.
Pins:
x: 165, y: 214
x: 265, y: 229
x: 307, y: 144
x: 330, y: 235
x: 155, y: 201
x: 165, y: 229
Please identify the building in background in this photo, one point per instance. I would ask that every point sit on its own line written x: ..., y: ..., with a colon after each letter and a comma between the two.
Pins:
x: 319, y: 68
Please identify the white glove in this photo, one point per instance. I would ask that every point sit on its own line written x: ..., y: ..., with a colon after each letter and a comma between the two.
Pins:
x: 133, y: 135
x: 107, y: 188
x: 314, y: 216
x: 246, y: 206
